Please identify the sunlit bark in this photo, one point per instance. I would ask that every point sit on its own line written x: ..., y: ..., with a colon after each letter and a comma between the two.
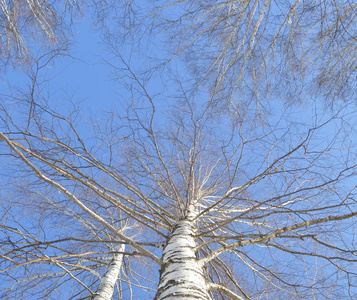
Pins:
x: 182, y: 274
x: 219, y: 205
x: 107, y: 283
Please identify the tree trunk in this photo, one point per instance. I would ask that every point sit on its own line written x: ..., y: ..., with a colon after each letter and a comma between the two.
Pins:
x: 182, y: 275
x: 106, y: 286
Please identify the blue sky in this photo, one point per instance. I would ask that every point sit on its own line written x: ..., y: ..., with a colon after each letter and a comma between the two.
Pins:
x: 87, y: 80
x: 83, y: 77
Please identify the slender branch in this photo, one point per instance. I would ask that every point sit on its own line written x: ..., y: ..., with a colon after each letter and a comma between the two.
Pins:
x: 79, y: 203
x: 215, y: 287
x: 276, y: 233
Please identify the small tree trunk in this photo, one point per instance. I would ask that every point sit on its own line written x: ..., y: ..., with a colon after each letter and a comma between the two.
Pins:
x: 182, y: 275
x: 106, y: 286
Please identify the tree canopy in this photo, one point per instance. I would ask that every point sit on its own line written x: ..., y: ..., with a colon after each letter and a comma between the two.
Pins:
x: 225, y: 170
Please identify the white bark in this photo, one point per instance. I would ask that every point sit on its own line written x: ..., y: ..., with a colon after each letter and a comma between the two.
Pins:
x: 106, y: 286
x: 14, y: 146
x: 181, y: 274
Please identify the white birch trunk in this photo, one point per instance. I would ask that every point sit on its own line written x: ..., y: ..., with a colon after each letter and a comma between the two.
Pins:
x: 107, y: 283
x: 182, y: 275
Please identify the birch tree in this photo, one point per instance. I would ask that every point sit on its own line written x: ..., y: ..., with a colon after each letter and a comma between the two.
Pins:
x: 239, y: 50
x: 224, y: 207
x: 218, y: 204
x: 30, y: 28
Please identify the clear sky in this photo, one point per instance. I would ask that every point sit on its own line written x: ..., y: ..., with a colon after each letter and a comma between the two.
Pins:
x: 86, y: 79
x: 83, y: 79
x: 82, y: 76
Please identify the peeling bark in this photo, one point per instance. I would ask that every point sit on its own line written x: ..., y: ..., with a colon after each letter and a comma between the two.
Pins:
x: 107, y: 283
x: 181, y: 274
